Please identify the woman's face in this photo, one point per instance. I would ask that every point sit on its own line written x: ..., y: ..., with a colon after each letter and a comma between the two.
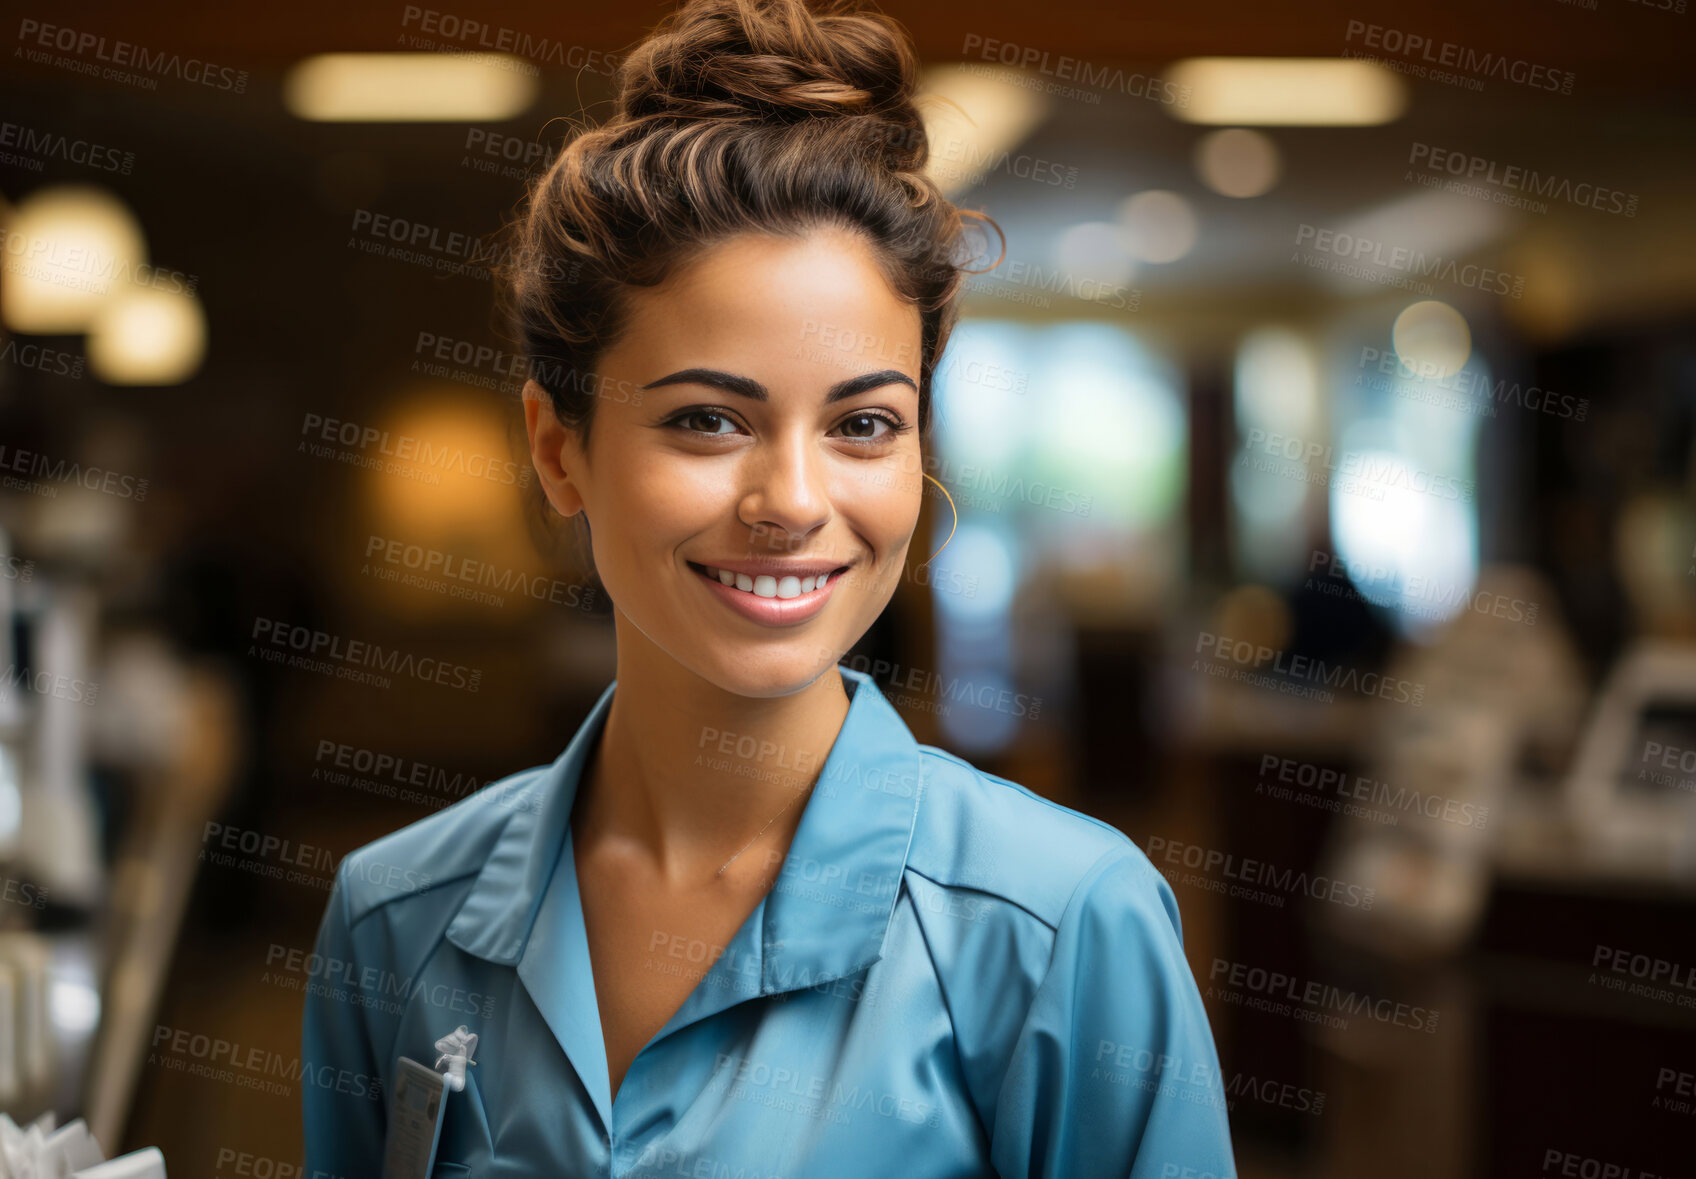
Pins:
x: 757, y: 423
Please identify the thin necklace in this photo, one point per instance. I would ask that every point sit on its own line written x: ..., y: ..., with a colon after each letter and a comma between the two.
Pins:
x: 762, y: 830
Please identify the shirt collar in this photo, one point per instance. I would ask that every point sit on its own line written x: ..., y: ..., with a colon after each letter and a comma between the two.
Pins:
x: 830, y: 908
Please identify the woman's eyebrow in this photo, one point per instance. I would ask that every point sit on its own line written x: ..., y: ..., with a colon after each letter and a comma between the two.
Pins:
x: 752, y: 389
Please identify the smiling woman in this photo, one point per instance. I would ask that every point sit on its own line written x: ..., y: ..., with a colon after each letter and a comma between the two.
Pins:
x: 923, y: 969
x: 748, y: 455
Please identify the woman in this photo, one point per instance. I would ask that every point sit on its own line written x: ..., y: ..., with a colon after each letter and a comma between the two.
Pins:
x: 745, y: 925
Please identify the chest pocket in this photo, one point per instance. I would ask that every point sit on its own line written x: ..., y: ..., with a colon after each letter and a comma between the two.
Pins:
x: 465, y: 1146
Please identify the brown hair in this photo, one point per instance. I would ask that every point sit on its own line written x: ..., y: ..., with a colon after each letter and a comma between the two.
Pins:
x: 733, y: 116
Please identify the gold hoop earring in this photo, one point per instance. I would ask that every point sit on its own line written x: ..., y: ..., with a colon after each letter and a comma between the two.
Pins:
x: 951, y: 529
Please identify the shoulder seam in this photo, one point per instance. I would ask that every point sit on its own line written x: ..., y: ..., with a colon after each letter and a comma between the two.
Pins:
x: 1026, y: 791
x: 1035, y: 916
x: 475, y: 870
x: 405, y: 896
x: 1086, y: 881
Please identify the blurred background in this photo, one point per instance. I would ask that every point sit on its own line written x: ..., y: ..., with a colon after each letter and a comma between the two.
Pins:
x: 1324, y: 449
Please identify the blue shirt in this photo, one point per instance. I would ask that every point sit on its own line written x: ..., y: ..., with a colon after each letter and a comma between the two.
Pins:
x: 951, y: 977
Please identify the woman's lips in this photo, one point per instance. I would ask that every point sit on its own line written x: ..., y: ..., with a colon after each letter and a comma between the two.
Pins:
x: 770, y: 611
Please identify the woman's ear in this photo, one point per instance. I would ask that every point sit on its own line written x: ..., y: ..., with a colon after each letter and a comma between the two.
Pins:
x: 554, y: 450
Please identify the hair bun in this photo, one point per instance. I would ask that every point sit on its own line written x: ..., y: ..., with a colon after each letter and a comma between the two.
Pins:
x: 783, y: 60
x: 732, y: 117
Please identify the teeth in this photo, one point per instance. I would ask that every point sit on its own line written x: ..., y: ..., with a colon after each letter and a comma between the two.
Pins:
x: 766, y: 586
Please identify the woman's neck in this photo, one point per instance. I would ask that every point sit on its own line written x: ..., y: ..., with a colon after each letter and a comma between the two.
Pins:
x: 685, y: 774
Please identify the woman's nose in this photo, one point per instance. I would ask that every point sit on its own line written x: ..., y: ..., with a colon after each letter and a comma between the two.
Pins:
x: 786, y: 493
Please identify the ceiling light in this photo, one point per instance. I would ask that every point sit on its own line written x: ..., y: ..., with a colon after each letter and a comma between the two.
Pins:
x: 1287, y: 92
x: 145, y: 336
x: 66, y: 250
x: 1431, y: 339
x: 1159, y: 226
x: 409, y: 87
x: 1237, y: 162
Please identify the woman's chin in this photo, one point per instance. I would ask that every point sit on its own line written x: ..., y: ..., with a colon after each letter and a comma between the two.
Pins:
x: 770, y: 674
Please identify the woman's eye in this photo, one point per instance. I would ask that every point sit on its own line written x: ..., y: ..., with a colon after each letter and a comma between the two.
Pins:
x: 863, y: 427
x: 704, y: 421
